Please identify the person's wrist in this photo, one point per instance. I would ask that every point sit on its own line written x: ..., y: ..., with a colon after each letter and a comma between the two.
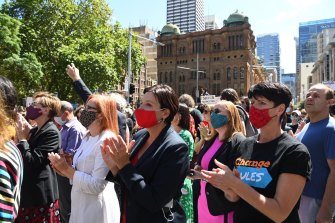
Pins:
x: 122, y: 165
x: 75, y: 78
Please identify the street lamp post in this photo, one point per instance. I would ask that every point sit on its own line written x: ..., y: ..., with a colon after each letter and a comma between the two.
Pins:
x: 127, y: 84
x: 128, y: 78
x: 197, y: 87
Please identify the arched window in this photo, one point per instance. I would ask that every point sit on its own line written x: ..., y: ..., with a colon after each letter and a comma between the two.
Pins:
x: 228, y: 73
x: 160, y: 77
x: 235, y: 73
x: 242, y: 73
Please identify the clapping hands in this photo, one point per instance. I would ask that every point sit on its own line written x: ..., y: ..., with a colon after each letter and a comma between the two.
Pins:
x: 115, y: 152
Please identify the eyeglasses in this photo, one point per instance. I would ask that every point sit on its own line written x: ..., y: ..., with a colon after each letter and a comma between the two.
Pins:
x: 87, y: 107
x: 34, y: 103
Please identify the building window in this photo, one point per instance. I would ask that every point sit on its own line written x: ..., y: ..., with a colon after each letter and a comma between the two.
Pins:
x: 242, y: 73
x: 242, y: 89
x: 181, y: 89
x: 228, y: 73
x: 198, y: 46
x: 241, y: 42
x: 160, y: 77
x: 171, y: 78
x: 166, y: 50
x: 217, y: 76
x: 216, y: 89
x: 216, y: 46
x: 165, y: 78
x: 193, y: 75
x: 235, y: 73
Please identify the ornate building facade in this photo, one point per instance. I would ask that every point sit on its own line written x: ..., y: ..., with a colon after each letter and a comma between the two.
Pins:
x: 224, y: 58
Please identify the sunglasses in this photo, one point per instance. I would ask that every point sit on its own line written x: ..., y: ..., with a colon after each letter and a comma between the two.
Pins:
x: 216, y: 110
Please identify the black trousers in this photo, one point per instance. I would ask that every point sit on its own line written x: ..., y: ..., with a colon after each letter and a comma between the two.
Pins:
x: 64, y: 188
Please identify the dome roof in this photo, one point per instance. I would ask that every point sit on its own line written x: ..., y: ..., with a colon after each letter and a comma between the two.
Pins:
x: 236, y: 19
x: 170, y: 29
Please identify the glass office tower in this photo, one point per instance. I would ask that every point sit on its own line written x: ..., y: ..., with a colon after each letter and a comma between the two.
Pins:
x: 308, y: 32
x: 268, y: 50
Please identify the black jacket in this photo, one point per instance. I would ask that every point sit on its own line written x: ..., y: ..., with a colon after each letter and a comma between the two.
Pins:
x: 39, y: 184
x: 156, y: 179
x: 217, y: 203
x: 83, y: 91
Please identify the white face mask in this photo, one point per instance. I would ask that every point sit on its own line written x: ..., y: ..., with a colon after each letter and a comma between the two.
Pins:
x: 59, y: 120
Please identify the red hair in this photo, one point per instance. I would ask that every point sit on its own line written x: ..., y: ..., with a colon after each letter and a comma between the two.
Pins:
x: 107, y: 109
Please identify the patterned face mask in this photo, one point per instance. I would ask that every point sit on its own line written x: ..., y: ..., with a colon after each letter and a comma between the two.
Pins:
x: 259, y: 117
x: 87, y: 117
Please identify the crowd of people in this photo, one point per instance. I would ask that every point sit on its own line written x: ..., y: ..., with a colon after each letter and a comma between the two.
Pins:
x: 254, y: 158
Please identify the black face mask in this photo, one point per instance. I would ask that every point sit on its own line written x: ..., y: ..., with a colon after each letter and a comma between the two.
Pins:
x: 87, y: 117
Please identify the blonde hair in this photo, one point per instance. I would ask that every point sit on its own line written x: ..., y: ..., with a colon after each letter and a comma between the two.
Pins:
x: 48, y: 100
x: 6, y: 127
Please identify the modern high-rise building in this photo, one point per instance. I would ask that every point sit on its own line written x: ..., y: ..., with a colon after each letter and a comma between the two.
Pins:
x: 289, y: 80
x: 188, y: 15
x: 268, y: 50
x: 210, y: 22
x: 308, y: 32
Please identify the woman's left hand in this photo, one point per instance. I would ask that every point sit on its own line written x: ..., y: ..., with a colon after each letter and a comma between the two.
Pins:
x: 221, y: 177
x: 58, y: 162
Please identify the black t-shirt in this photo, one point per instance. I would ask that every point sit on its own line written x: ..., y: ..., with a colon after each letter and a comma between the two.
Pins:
x: 260, y: 165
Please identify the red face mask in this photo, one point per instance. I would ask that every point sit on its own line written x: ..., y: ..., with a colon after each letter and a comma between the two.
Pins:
x: 259, y: 117
x: 146, y: 118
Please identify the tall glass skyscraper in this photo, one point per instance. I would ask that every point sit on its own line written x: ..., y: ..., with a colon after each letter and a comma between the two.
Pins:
x: 188, y: 15
x: 268, y: 50
x: 308, y: 32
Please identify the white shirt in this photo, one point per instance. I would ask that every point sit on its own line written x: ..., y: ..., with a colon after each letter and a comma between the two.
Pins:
x: 93, y: 199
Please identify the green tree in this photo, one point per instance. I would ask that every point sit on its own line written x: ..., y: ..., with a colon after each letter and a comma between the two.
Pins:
x: 59, y: 32
x: 22, y: 68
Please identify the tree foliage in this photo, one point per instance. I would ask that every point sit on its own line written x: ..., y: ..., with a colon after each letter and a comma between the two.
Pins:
x: 59, y: 32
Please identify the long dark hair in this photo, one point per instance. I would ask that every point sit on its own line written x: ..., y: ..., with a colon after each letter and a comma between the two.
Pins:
x: 184, y: 121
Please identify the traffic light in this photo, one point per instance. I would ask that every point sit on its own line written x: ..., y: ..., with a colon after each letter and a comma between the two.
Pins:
x: 131, y: 88
x: 131, y: 99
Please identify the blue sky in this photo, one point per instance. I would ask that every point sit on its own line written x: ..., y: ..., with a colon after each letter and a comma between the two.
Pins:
x: 265, y: 16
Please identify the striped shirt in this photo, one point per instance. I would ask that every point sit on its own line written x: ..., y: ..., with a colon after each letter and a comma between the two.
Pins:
x: 11, y: 175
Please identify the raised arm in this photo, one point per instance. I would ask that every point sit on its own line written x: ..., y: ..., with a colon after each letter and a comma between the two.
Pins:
x: 79, y: 86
